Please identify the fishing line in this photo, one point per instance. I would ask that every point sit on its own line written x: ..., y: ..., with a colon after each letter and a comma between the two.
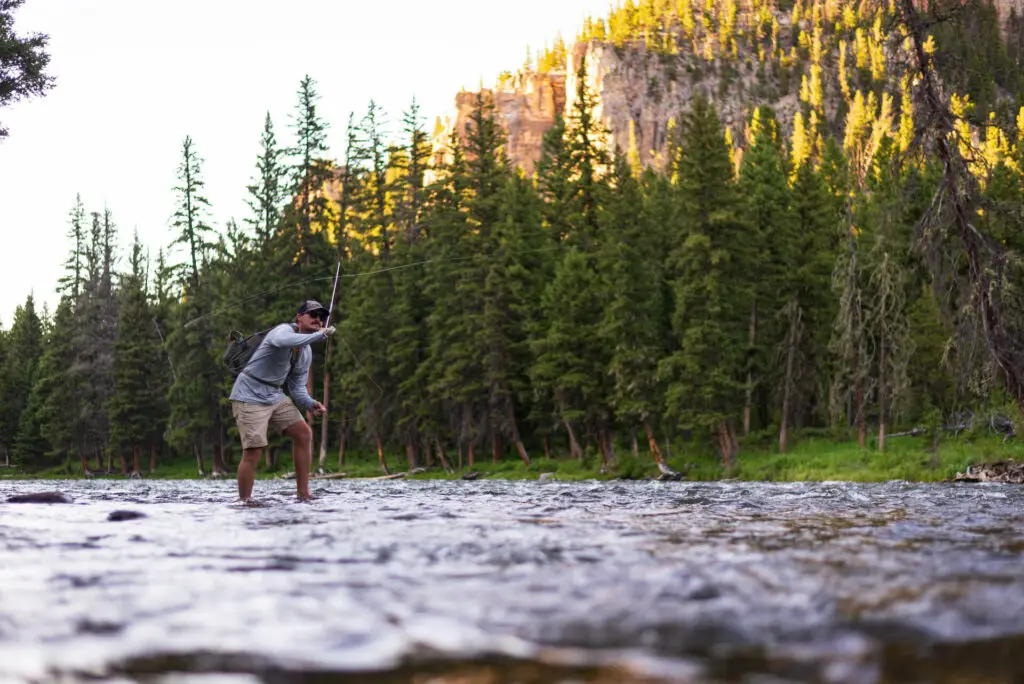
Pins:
x: 243, y: 300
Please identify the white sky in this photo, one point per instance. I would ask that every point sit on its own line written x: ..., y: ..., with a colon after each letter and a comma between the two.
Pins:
x: 134, y: 77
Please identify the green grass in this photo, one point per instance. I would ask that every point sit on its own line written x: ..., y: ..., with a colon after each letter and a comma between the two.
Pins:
x: 812, y: 458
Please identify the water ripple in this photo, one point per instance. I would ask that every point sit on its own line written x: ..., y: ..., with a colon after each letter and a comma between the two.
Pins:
x: 512, y: 581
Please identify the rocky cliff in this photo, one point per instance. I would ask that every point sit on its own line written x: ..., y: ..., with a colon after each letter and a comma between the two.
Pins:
x: 640, y: 92
x: 526, y: 104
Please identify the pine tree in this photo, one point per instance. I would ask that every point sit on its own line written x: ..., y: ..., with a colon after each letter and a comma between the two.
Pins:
x: 634, y: 326
x: 411, y: 164
x: 94, y: 333
x: 586, y: 143
x: 809, y: 308
x: 513, y: 269
x: 310, y: 171
x: 132, y: 406
x: 266, y: 194
x: 23, y: 61
x: 569, y: 363
x: 455, y: 380
x: 705, y: 375
x: 767, y: 250
x: 59, y: 385
x: 193, y: 397
x: 190, y: 214
x: 373, y: 149
x: 555, y: 181
x: 71, y: 281
x: 23, y: 349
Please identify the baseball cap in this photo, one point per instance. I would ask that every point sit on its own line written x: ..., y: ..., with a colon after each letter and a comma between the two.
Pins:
x: 312, y: 306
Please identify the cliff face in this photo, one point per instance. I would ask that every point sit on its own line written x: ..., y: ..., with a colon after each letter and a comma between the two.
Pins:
x: 640, y: 92
x: 638, y: 95
x: 526, y: 105
x: 1005, y: 7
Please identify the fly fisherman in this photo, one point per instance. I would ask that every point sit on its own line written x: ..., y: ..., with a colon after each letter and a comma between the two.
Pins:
x: 257, y: 401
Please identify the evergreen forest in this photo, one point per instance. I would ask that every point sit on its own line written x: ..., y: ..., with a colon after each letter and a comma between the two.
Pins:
x: 850, y: 270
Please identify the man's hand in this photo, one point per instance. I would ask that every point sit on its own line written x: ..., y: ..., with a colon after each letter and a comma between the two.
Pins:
x: 318, y: 409
x: 328, y: 331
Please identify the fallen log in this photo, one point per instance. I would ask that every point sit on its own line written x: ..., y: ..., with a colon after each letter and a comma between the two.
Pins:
x: 393, y: 476
x: 325, y: 476
x: 1009, y: 472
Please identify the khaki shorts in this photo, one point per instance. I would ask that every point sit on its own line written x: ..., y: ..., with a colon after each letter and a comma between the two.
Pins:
x: 253, y: 420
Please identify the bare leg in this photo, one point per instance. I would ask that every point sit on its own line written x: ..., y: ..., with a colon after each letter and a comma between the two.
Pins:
x: 247, y: 472
x: 302, y: 454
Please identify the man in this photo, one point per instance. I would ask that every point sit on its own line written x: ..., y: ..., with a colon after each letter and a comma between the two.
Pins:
x: 257, y: 401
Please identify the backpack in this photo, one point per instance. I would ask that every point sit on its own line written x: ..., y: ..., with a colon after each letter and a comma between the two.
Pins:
x: 240, y: 350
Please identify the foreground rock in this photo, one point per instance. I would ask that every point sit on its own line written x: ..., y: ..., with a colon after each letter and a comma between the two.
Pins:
x: 120, y: 516
x: 40, y: 497
x: 1010, y: 472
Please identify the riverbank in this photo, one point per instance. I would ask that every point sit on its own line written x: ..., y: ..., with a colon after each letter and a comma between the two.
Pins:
x: 811, y: 459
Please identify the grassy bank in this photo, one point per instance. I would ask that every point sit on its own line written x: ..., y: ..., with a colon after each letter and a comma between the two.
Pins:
x: 810, y: 459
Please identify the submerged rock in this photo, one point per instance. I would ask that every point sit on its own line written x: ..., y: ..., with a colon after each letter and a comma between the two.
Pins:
x: 118, y: 516
x: 40, y: 497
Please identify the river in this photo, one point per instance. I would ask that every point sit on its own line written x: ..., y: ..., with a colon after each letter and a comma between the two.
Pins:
x: 501, y: 581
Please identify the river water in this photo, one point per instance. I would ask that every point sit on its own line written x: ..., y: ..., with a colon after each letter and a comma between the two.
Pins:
x: 496, y: 581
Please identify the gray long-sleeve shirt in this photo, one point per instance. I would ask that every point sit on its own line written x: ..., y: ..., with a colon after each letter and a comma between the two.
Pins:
x: 271, y: 362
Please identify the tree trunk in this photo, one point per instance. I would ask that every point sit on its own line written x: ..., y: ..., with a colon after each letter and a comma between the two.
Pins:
x: 123, y: 460
x: 495, y: 447
x: 547, y: 447
x: 520, y: 447
x: 655, y: 451
x: 380, y: 453
x: 198, y: 450
x: 460, y: 457
x: 881, y: 386
x: 410, y: 452
x: 341, y: 444
x: 574, y: 446
x: 440, y: 456
x: 960, y: 187
x: 218, y: 448
x: 135, y: 460
x: 787, y: 382
x: 152, y: 458
x: 752, y: 337
x: 727, y: 445
x: 428, y: 453
x: 862, y: 430
x: 633, y: 445
x: 602, y: 447
x: 471, y: 454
